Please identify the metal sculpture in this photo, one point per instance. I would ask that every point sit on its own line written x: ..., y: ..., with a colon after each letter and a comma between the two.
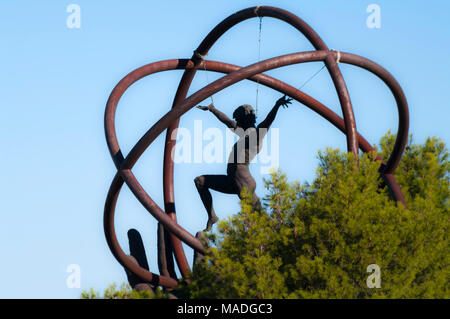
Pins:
x: 170, y: 233
x: 238, y: 179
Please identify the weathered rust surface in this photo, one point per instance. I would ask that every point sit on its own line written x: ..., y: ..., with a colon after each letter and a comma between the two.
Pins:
x: 234, y: 74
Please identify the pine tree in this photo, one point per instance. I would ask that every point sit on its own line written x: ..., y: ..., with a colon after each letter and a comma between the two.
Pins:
x: 316, y: 241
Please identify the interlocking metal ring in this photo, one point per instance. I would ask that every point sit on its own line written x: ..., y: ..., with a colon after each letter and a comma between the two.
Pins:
x: 233, y: 74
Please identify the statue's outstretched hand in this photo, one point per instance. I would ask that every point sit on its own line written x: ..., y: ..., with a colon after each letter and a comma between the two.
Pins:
x: 283, y: 101
x: 205, y: 108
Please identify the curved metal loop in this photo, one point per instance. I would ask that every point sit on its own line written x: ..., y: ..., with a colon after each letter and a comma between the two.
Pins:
x: 186, y: 80
x: 236, y: 74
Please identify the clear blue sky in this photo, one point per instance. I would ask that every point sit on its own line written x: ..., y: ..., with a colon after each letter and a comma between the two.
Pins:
x: 55, y: 81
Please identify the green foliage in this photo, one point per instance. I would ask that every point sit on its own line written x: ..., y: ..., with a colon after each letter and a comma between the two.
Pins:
x: 316, y: 241
x: 123, y: 292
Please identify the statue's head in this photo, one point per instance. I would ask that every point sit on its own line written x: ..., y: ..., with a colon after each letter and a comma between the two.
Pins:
x: 245, y: 116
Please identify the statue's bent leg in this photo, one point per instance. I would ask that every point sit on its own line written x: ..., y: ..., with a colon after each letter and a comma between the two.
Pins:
x: 220, y: 183
x: 247, y: 185
x: 256, y: 203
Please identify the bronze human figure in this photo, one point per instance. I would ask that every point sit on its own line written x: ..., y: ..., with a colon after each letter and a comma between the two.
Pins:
x: 238, y: 179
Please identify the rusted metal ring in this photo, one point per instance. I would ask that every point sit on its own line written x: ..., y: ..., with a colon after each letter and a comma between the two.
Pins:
x: 170, y: 122
x: 185, y: 82
x: 238, y: 74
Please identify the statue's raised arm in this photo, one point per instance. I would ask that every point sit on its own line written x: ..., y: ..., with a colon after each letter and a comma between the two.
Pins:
x: 283, y: 101
x: 220, y: 115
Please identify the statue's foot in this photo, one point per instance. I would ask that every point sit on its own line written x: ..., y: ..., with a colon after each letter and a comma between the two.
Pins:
x: 211, y: 221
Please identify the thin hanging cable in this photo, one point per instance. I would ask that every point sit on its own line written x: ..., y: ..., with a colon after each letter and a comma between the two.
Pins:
x: 323, y: 66
x: 312, y: 77
x: 338, y: 59
x: 207, y: 81
x: 259, y: 59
